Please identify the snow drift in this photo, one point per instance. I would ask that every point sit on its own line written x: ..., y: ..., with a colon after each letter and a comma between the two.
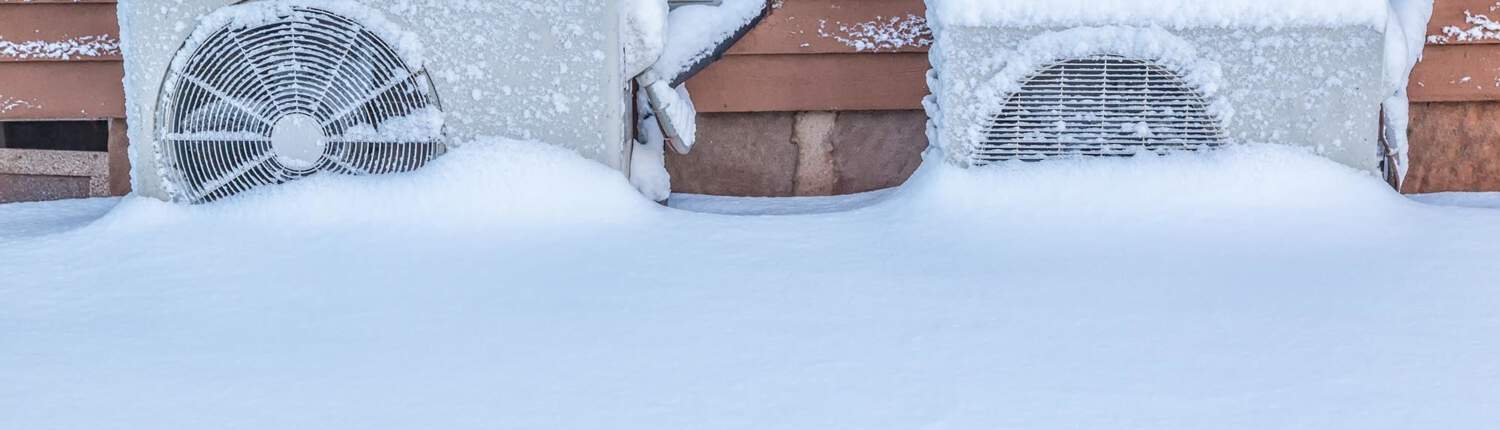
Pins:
x: 517, y: 285
x: 1233, y: 182
x: 489, y: 184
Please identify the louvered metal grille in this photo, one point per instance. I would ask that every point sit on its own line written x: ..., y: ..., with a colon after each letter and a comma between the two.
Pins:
x: 344, y: 86
x: 1099, y: 106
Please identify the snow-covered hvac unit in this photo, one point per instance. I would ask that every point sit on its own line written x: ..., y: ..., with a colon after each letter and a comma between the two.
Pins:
x: 224, y: 96
x: 1040, y: 79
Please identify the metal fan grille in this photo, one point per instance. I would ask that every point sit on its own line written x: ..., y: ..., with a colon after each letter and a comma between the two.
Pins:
x: 1098, y: 106
x: 220, y: 106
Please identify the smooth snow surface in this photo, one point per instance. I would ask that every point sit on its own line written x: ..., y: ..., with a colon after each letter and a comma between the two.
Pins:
x: 1468, y: 200
x: 513, y: 285
x: 1167, y: 13
x: 22, y: 220
x: 755, y: 206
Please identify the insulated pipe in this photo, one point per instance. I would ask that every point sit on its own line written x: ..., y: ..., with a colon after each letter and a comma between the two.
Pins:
x: 656, y: 95
x: 657, y: 86
x: 718, y: 50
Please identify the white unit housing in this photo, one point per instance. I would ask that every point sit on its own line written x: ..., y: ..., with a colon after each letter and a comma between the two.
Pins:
x: 1036, y: 79
x: 224, y: 95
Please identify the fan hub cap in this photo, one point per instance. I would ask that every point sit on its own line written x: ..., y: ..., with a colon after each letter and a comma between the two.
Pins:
x: 298, y: 141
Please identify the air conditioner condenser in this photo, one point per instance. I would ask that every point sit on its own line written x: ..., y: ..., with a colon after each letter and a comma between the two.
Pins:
x: 224, y: 96
x: 1035, y: 80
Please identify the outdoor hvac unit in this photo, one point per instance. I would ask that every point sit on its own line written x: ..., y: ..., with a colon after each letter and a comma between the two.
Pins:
x: 224, y: 96
x: 1035, y: 80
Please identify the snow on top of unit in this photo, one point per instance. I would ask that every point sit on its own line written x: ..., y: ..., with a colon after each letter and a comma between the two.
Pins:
x: 406, y: 44
x: 1168, y: 13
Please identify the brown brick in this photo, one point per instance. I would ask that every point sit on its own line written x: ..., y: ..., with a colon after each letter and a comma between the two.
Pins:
x: 877, y: 149
x: 1454, y: 147
x: 739, y: 154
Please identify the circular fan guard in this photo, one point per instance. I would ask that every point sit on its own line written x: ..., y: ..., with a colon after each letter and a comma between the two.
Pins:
x: 220, y: 108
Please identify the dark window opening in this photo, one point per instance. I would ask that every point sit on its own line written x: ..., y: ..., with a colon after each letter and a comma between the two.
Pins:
x: 55, y: 135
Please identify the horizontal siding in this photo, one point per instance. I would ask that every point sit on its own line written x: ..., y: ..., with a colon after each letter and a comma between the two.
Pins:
x: 780, y: 83
x: 60, y: 60
x: 53, y: 90
x: 1454, y: 70
x: 58, y: 32
x: 838, y: 27
x: 1457, y: 73
x: 1454, y: 13
x: 823, y: 55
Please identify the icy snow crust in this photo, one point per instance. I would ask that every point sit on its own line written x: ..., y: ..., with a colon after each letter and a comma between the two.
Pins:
x: 519, y: 285
x: 1177, y: 14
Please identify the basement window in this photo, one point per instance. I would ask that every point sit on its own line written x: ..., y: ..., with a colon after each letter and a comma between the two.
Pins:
x: 90, y: 136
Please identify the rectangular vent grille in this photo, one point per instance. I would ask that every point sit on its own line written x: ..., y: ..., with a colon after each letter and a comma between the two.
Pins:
x: 1099, y: 106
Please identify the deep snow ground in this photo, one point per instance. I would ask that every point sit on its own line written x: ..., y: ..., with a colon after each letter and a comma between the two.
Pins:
x: 776, y: 205
x: 518, y: 286
x: 1466, y: 200
x: 26, y: 220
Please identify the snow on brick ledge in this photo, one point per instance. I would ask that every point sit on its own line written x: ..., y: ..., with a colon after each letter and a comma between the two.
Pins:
x: 1166, y: 13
